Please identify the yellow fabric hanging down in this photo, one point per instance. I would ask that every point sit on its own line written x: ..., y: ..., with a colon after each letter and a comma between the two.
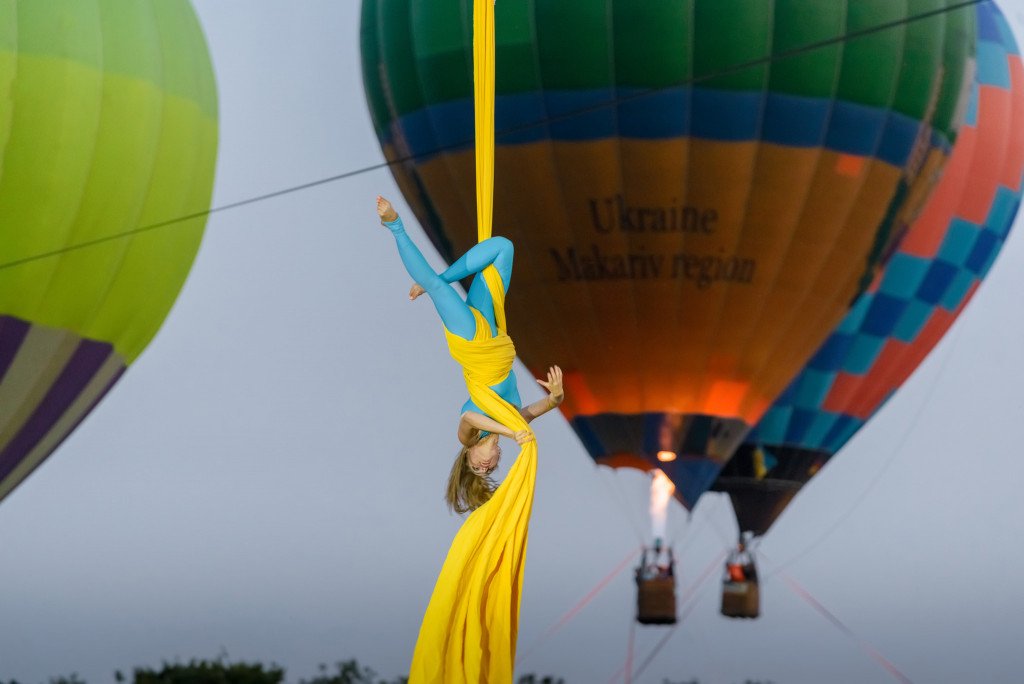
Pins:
x: 470, y: 627
x: 469, y: 631
x: 483, y: 111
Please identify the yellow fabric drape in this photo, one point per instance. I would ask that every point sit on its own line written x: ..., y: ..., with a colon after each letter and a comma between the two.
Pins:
x: 483, y: 110
x: 469, y: 631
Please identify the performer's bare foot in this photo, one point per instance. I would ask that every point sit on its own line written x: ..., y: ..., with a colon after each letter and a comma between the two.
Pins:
x: 385, y: 211
x: 415, y: 291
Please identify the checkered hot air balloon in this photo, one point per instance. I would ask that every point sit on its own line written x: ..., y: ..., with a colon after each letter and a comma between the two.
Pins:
x: 909, y: 307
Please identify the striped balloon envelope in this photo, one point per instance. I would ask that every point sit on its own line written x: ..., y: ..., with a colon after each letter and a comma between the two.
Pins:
x: 895, y: 324
x: 697, y: 189
x: 108, y: 122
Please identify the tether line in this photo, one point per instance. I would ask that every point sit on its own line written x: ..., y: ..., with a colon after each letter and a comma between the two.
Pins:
x: 761, y: 61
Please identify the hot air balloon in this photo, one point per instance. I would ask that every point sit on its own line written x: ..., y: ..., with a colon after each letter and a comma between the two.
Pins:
x: 697, y: 189
x: 108, y: 122
x: 909, y: 307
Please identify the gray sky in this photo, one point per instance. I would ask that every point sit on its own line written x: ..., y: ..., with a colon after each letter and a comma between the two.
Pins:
x: 267, y: 478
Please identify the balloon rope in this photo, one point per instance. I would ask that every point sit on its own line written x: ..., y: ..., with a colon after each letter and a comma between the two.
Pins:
x: 891, y: 458
x: 661, y: 644
x: 616, y: 489
x: 702, y: 577
x: 580, y: 605
x: 715, y: 523
x: 511, y: 130
x: 629, y: 651
x: 690, y: 605
x: 685, y: 613
x: 602, y: 584
x: 835, y: 621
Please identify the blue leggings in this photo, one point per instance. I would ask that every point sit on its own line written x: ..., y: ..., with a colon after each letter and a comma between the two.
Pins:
x: 453, y: 310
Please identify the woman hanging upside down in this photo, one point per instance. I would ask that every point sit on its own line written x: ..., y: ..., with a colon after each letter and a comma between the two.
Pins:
x: 472, y: 319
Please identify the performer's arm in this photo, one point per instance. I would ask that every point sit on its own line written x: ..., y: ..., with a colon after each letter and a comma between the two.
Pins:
x: 555, y: 396
x: 467, y: 433
x: 472, y: 419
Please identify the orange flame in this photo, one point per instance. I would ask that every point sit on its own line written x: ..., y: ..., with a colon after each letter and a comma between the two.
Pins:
x: 661, y: 491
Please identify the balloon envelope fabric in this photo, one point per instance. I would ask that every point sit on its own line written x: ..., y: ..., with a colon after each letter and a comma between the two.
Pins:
x: 108, y: 122
x: 910, y: 306
x: 695, y: 196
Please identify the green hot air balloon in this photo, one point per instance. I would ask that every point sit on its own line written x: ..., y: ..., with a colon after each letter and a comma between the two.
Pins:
x: 697, y: 189
x: 108, y: 122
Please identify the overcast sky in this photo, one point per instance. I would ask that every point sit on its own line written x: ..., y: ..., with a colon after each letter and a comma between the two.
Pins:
x: 266, y: 480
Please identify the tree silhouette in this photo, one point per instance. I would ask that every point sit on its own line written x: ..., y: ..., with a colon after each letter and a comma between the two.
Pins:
x: 350, y: 672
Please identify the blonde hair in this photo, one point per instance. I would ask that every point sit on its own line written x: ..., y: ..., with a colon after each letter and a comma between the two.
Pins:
x: 466, y: 490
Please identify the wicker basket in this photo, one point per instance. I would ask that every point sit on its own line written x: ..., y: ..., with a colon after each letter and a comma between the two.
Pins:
x: 741, y: 599
x: 656, y: 601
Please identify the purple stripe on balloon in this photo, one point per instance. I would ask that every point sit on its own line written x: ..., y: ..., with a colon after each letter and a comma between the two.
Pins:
x: 12, y: 334
x: 97, y: 400
x: 86, y: 412
x: 87, y: 360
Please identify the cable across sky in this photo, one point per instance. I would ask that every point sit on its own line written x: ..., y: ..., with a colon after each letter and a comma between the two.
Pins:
x: 509, y: 131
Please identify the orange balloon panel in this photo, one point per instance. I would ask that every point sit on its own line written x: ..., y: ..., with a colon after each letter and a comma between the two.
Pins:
x: 690, y: 296
x: 666, y: 292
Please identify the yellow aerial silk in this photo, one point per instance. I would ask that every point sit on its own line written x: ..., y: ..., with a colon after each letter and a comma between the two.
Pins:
x: 470, y: 627
x: 483, y: 112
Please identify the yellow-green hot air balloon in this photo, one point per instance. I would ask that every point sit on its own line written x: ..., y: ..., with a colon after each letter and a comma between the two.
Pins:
x: 108, y: 122
x: 697, y: 189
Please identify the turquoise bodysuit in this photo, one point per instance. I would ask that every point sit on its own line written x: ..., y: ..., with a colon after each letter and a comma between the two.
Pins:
x: 454, y: 311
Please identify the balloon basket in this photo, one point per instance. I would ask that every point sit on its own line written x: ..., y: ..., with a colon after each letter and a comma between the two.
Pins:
x: 656, y: 601
x: 741, y: 599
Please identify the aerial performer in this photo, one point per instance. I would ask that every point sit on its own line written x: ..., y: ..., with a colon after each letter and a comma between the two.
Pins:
x: 467, y: 321
x: 470, y: 626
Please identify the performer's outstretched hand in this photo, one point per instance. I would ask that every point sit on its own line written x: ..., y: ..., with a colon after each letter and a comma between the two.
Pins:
x: 415, y: 291
x: 385, y: 211
x: 554, y: 385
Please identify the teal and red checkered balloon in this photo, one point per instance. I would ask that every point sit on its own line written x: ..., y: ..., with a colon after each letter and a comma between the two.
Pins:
x: 911, y: 304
